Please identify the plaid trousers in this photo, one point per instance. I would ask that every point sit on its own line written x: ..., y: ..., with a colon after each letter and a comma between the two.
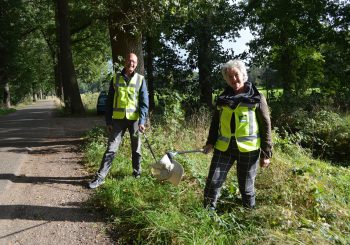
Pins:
x: 221, y: 163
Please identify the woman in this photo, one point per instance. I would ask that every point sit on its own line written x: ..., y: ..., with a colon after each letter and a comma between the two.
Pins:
x: 240, y: 131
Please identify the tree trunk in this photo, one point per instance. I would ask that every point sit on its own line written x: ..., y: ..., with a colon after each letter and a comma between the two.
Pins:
x: 149, y: 70
x: 58, y: 79
x: 124, y: 41
x: 204, y: 67
x: 34, y: 92
x: 72, y: 97
x: 6, y: 99
x: 288, y: 72
x: 55, y: 50
x: 286, y: 67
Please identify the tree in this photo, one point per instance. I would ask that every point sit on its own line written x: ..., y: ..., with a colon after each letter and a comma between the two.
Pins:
x: 336, y: 52
x: 206, y: 25
x: 128, y: 23
x: 287, y: 32
x: 72, y: 97
x: 127, y: 20
x: 10, y: 26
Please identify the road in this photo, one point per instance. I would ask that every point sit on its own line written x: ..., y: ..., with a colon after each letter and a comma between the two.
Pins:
x: 42, y: 183
x: 35, y: 126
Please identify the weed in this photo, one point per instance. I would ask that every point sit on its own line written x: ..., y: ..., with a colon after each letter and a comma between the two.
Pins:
x: 300, y: 200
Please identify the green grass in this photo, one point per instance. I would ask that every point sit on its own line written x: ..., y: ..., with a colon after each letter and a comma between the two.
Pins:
x: 5, y: 111
x: 300, y: 200
x: 278, y: 92
x: 89, y: 102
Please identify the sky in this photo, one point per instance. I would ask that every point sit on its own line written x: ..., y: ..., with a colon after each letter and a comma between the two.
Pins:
x: 240, y: 44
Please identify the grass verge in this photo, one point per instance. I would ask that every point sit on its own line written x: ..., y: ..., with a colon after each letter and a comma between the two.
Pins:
x: 300, y: 200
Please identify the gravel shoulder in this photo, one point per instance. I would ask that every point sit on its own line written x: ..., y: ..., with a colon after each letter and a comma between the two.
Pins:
x: 45, y: 202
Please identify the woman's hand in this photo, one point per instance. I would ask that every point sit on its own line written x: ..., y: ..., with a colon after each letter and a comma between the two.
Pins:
x: 264, y: 162
x: 207, y: 148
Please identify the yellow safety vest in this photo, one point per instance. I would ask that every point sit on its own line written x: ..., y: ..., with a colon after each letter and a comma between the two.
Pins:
x: 246, y: 131
x: 126, y: 97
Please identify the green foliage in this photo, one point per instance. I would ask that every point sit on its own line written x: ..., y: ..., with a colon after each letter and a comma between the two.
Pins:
x: 90, y: 102
x: 170, y: 109
x: 310, y: 121
x: 94, y: 145
x: 10, y: 24
x: 91, y: 49
x: 5, y: 111
x: 300, y: 200
x: 291, y: 36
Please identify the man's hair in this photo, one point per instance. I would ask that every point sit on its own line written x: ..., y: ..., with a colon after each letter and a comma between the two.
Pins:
x: 234, y: 64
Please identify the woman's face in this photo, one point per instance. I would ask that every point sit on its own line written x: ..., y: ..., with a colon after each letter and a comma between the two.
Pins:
x: 235, y: 79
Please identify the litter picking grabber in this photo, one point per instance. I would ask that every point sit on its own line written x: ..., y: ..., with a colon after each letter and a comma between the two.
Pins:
x: 167, y: 169
x: 172, y: 154
x: 150, y: 148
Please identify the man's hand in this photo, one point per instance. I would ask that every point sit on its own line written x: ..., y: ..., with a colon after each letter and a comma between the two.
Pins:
x: 109, y: 128
x: 208, y: 148
x: 142, y: 128
x: 264, y: 162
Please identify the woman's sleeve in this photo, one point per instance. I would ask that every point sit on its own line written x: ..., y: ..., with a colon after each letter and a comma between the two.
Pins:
x: 264, y: 122
x: 214, y: 128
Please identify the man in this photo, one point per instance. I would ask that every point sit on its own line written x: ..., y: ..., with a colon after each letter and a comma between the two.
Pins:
x: 126, y: 109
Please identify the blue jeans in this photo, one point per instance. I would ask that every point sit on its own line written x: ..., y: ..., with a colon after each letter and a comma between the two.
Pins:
x: 119, y: 128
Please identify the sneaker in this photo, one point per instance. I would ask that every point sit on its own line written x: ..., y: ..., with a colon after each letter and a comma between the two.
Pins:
x: 136, y: 175
x: 96, y: 183
x: 212, y: 212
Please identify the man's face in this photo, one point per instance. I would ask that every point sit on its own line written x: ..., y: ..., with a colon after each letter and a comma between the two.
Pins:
x: 235, y: 79
x: 130, y: 63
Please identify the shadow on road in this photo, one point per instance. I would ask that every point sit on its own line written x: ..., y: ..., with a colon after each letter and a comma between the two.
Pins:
x: 32, y: 212
x: 40, y: 125
x: 45, y: 180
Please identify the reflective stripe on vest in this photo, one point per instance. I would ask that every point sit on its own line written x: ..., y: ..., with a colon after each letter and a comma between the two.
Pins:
x: 126, y: 96
x: 246, y: 128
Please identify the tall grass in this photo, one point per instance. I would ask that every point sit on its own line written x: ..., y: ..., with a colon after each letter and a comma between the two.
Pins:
x: 5, y: 111
x: 300, y: 200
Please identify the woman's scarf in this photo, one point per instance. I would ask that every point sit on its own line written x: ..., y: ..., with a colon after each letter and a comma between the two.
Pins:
x: 250, y: 96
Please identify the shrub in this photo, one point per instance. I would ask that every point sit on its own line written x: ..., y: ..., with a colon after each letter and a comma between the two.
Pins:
x: 310, y: 122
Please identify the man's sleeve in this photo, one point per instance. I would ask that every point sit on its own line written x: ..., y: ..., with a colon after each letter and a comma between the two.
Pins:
x: 143, y: 103
x: 109, y: 104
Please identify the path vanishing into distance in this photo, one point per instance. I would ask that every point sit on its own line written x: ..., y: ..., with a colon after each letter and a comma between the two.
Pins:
x: 42, y: 182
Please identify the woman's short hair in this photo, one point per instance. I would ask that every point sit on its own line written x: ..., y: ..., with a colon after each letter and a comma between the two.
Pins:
x: 234, y: 64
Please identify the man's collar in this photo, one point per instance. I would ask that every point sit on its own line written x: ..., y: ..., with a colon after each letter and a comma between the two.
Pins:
x: 124, y: 74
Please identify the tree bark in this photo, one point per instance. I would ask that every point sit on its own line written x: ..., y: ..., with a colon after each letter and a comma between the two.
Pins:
x: 71, y: 93
x: 287, y: 70
x: 124, y: 40
x: 6, y: 98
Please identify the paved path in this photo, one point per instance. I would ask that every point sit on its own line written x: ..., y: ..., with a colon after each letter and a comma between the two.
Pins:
x: 42, y: 197
x: 35, y: 126
x: 19, y: 132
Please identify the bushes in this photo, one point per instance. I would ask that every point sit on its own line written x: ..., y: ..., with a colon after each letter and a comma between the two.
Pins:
x: 5, y: 111
x: 310, y: 122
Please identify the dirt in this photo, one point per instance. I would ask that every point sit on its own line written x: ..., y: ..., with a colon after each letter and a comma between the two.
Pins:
x: 46, y: 201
